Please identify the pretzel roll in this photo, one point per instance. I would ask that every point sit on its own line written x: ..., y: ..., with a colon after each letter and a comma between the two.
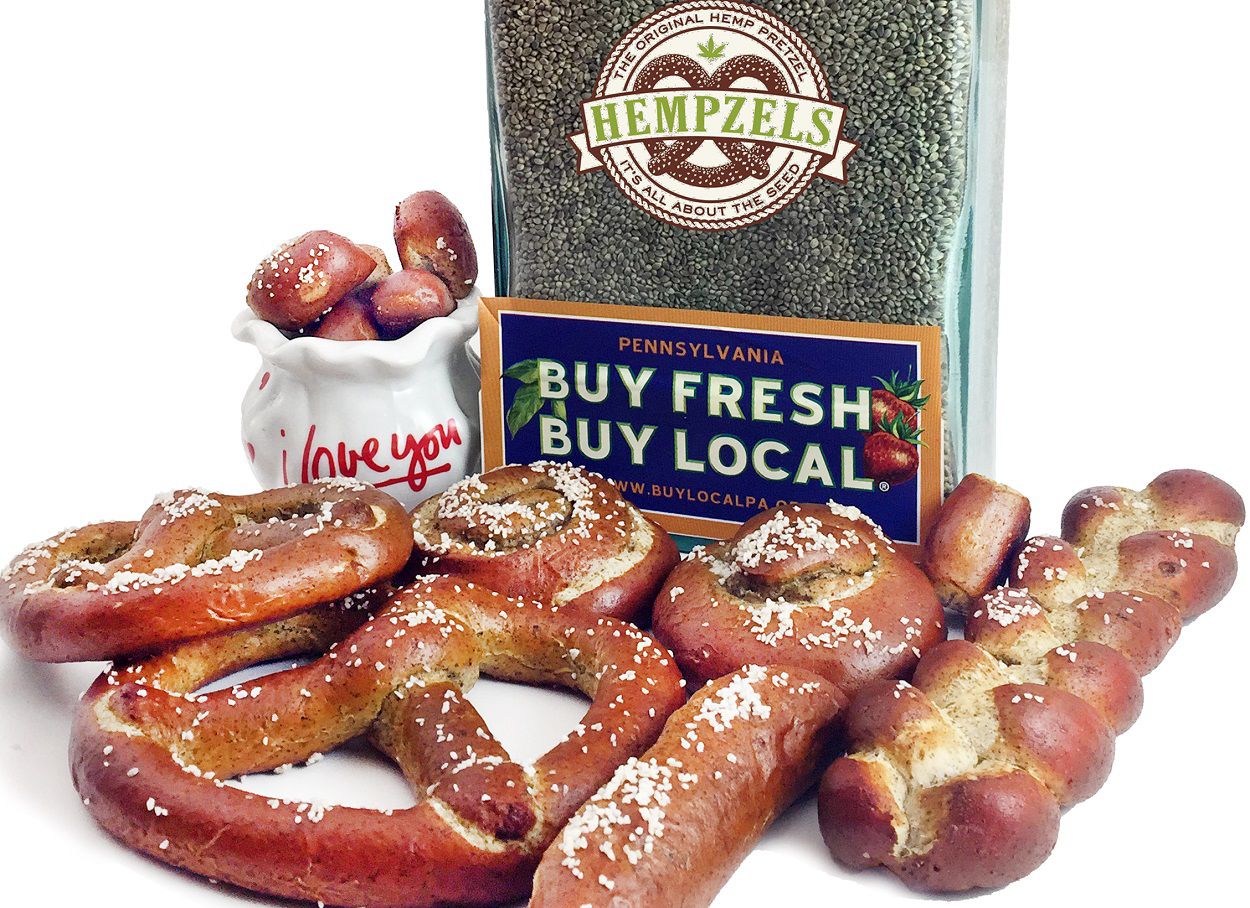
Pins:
x: 552, y: 532
x: 978, y: 529
x: 815, y: 586
x: 1173, y: 539
x: 303, y: 280
x: 152, y: 757
x: 349, y: 320
x: 671, y: 826
x: 914, y: 797
x: 431, y: 234
x: 405, y: 300
x: 199, y: 563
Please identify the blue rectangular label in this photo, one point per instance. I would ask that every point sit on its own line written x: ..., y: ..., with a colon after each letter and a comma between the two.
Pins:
x: 704, y: 419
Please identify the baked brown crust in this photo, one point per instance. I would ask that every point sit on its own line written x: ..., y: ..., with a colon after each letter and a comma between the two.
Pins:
x: 671, y: 826
x: 303, y: 280
x: 408, y: 298
x: 814, y: 586
x: 1172, y: 539
x: 431, y: 234
x: 978, y: 530
x: 957, y: 783
x: 349, y: 320
x: 199, y: 563
x: 971, y: 825
x: 552, y: 532
x: 151, y: 757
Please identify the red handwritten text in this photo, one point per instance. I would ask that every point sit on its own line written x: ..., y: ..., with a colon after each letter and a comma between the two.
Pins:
x: 417, y: 456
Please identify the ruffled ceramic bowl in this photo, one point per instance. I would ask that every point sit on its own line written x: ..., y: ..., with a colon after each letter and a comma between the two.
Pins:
x: 400, y: 414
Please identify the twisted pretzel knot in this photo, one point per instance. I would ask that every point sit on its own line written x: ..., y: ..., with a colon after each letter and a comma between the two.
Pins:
x: 151, y: 757
x: 199, y: 563
x: 814, y: 586
x: 746, y: 159
x: 957, y: 781
x: 552, y: 532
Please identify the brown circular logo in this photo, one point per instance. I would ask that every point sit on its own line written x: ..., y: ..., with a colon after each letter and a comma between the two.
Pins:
x: 713, y: 115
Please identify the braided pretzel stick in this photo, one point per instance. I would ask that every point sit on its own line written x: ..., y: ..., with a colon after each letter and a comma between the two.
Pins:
x: 199, y: 563
x: 958, y: 781
x: 745, y: 159
x: 550, y: 532
x: 151, y: 758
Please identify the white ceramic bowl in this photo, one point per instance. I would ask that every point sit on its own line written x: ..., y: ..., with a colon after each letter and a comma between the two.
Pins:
x: 401, y: 414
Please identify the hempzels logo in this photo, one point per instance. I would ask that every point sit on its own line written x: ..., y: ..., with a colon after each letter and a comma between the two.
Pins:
x: 713, y: 116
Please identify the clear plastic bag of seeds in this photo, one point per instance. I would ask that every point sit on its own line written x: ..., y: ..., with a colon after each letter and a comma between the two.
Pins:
x: 825, y: 159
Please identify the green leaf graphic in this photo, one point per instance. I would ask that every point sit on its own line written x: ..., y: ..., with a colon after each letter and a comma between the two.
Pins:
x: 711, y: 50
x: 525, y: 406
x: 525, y: 371
x: 560, y: 410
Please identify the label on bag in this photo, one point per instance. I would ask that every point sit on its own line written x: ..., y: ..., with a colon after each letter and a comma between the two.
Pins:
x: 713, y: 115
x: 704, y: 419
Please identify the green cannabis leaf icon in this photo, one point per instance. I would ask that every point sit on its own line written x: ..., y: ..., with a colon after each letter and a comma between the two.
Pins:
x: 528, y: 401
x: 711, y: 50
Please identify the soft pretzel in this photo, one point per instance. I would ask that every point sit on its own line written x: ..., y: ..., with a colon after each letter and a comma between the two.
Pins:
x: 408, y: 298
x: 351, y: 319
x: 199, y: 563
x: 671, y: 826
x: 979, y: 528
x: 431, y: 234
x: 552, y: 532
x: 304, y: 279
x: 958, y: 781
x: 152, y: 758
x: 814, y: 586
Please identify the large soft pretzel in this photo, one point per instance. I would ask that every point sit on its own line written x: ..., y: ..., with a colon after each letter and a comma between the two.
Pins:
x: 199, y: 563
x: 553, y: 532
x: 815, y: 586
x: 151, y: 757
x: 958, y: 781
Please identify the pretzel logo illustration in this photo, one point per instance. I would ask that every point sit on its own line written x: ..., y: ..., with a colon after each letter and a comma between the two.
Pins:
x: 713, y: 115
x: 745, y: 159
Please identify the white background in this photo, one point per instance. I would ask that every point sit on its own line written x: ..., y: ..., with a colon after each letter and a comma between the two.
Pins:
x: 154, y: 152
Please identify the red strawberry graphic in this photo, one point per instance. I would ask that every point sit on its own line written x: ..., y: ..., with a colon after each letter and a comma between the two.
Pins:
x: 898, y: 397
x: 892, y: 452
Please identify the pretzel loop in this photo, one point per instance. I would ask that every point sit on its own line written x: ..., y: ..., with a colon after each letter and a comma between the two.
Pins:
x: 145, y: 739
x: 198, y: 563
x: 552, y: 532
